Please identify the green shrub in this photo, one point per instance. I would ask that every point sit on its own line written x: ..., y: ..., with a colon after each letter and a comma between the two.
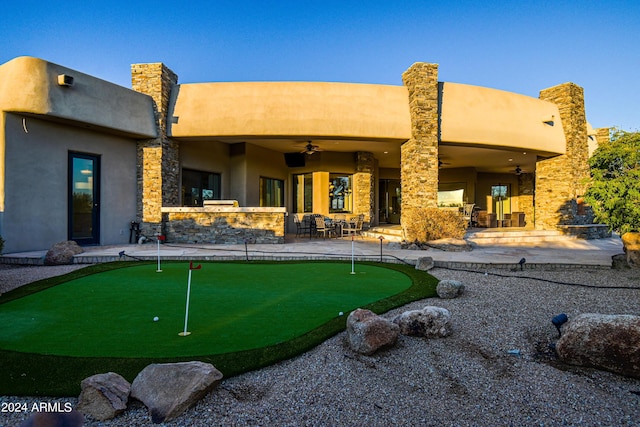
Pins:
x: 615, y: 182
x: 425, y: 224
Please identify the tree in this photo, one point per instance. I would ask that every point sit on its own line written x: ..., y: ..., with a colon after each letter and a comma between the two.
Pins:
x: 614, y: 191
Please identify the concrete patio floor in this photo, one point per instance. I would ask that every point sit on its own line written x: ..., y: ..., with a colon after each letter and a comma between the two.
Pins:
x: 563, y: 253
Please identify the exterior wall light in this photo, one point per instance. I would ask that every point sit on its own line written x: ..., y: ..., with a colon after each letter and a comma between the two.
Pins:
x: 548, y: 120
x: 65, y: 80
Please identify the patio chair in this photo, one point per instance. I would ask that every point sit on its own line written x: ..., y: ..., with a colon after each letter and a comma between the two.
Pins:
x: 302, y: 224
x: 321, y: 227
x: 353, y: 227
x: 467, y: 212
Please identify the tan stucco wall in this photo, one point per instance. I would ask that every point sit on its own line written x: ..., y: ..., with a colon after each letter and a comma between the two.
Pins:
x: 248, y: 163
x: 35, y: 211
x: 366, y: 111
x: 477, y: 115
x: 30, y: 85
x: 209, y: 156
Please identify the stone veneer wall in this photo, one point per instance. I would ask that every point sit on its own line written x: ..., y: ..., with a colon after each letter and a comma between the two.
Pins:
x: 603, y: 135
x: 561, y: 180
x: 419, y: 155
x: 158, y: 164
x: 224, y: 225
x: 364, y: 185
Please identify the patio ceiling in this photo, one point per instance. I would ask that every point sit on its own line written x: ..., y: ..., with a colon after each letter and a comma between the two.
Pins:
x: 386, y: 151
x: 486, y: 160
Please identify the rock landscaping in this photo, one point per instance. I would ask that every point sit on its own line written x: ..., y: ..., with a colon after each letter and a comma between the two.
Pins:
x: 369, y: 332
x: 62, y: 253
x: 631, y: 242
x: 448, y: 289
x: 103, y: 396
x: 498, y: 365
x: 603, y: 341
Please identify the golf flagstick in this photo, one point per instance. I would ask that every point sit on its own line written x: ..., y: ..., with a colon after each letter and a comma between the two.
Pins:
x: 352, y: 257
x: 160, y: 237
x: 186, y: 314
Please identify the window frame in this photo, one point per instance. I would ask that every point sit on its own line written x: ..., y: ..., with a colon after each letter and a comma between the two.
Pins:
x: 268, y: 187
x: 202, y: 186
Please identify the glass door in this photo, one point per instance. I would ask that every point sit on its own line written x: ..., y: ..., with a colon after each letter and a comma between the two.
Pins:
x: 84, y: 198
x: 501, y: 195
x: 390, y: 200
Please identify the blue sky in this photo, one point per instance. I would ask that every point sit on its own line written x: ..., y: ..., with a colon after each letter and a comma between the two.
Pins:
x: 516, y: 46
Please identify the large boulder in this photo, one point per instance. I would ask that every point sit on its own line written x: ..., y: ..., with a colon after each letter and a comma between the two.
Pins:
x: 448, y: 289
x: 169, y: 389
x: 430, y: 322
x: 609, y: 342
x: 425, y: 263
x: 619, y: 262
x: 369, y: 332
x: 62, y: 253
x: 103, y: 396
x: 631, y: 243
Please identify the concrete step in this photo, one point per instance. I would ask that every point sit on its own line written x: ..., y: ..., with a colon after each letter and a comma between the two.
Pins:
x: 511, y: 236
x: 492, y: 236
x: 390, y: 233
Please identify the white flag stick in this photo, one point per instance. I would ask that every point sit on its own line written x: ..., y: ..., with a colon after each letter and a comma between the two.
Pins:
x: 159, y: 270
x: 186, y: 314
x: 352, y: 257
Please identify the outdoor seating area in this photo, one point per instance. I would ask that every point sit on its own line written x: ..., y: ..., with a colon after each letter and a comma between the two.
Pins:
x: 317, y: 225
x: 486, y: 219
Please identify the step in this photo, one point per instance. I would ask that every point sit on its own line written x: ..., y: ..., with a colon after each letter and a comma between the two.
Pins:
x: 390, y: 234
x: 512, y: 232
x: 493, y: 237
x: 392, y: 231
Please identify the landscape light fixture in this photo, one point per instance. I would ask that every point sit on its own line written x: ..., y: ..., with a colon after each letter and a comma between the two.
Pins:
x: 558, y: 321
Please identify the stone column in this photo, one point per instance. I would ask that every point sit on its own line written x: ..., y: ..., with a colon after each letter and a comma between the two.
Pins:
x: 603, y: 135
x: 364, y: 185
x: 158, y: 159
x: 419, y: 155
x: 561, y: 180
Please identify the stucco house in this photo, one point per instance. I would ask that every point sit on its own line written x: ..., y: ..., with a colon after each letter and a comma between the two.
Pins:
x: 82, y: 158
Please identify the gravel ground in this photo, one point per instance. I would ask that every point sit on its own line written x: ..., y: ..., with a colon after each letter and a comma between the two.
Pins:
x: 471, y: 378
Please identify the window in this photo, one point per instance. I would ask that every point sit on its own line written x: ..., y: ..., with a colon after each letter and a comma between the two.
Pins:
x: 303, y: 193
x: 198, y: 186
x: 340, y: 193
x: 271, y: 192
x: 452, y: 194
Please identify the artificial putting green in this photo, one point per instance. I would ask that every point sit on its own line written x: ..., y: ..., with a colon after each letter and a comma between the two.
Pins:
x: 243, y: 316
x: 233, y: 307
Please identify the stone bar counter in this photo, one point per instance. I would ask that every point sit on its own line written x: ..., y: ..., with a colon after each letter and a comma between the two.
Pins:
x: 224, y: 223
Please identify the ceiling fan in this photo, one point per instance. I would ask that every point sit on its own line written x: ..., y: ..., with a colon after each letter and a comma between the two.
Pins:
x: 310, y: 148
x: 518, y: 170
